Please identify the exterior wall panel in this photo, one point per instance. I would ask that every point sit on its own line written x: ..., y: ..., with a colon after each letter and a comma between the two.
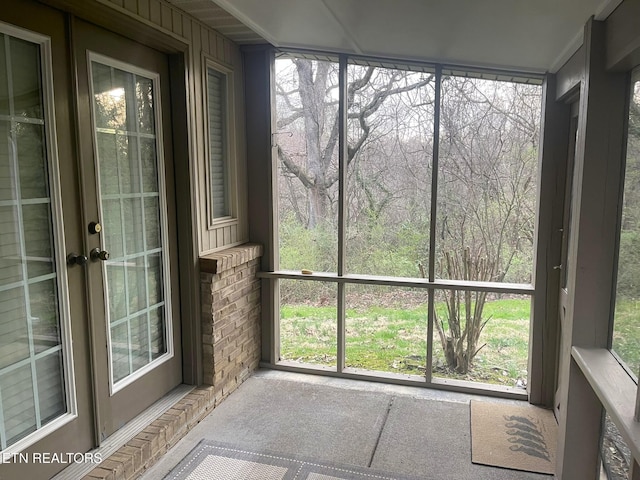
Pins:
x: 203, y: 40
x: 623, y: 37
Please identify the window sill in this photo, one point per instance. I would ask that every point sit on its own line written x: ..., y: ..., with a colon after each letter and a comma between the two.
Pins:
x: 615, y: 389
x: 440, y: 284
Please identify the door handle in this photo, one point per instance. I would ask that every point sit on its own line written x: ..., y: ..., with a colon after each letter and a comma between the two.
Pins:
x: 76, y: 259
x: 97, y: 254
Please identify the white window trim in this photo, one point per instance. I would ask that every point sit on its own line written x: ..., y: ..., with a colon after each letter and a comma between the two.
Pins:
x: 116, y: 386
x: 232, y: 190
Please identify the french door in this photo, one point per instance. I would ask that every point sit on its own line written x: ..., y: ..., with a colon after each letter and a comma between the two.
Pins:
x: 89, y: 332
x: 129, y: 219
x: 46, y: 402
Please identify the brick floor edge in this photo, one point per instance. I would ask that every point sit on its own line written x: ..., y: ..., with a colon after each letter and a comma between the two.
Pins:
x: 148, y: 446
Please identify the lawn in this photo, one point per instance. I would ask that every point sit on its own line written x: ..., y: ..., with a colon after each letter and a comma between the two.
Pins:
x: 626, y: 332
x: 390, y: 336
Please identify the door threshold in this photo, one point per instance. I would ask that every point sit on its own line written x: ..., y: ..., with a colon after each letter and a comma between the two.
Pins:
x: 116, y: 441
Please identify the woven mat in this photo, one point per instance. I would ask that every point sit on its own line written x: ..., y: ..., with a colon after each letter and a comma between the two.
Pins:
x: 520, y: 438
x: 214, y: 461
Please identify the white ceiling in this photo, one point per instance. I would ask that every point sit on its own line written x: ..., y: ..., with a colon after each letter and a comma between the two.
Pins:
x: 530, y: 35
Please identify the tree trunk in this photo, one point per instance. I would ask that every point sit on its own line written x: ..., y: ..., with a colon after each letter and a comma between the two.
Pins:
x: 317, y: 205
x: 465, y: 322
x: 312, y: 93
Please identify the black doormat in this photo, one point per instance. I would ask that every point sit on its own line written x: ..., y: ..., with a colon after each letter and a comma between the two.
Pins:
x: 215, y: 461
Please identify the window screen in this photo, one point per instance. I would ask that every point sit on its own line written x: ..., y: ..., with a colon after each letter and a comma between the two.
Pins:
x: 626, y: 335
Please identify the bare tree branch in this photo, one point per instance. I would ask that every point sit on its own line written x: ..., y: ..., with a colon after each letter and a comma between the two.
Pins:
x: 283, y: 122
x: 291, y: 166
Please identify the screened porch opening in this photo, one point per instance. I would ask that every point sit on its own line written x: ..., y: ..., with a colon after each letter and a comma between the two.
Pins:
x: 406, y: 220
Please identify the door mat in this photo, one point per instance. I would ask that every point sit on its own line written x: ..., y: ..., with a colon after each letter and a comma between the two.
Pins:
x: 520, y: 438
x: 216, y: 461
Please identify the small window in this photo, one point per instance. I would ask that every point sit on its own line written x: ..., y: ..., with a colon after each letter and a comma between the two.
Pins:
x: 219, y: 163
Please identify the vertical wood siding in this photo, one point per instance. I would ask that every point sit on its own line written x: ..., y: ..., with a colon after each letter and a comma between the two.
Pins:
x: 203, y: 40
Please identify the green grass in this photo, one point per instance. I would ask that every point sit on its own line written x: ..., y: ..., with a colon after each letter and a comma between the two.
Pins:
x: 386, y: 339
x: 393, y: 339
x: 626, y: 332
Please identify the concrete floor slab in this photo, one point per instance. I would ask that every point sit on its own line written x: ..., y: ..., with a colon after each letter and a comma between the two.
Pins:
x: 431, y: 439
x: 404, y: 430
x: 302, y: 419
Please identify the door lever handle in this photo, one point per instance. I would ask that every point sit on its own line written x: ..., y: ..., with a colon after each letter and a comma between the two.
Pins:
x: 97, y: 254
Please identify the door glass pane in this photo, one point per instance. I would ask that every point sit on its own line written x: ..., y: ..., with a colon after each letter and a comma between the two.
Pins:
x: 108, y: 170
x: 18, y: 405
x: 10, y: 263
x: 37, y: 245
x: 44, y: 319
x: 32, y: 387
x: 50, y: 380
x: 157, y: 332
x: 13, y: 327
x: 25, y: 79
x: 139, y: 341
x: 133, y: 226
x: 120, y: 351
x: 4, y: 81
x: 117, y: 295
x: 131, y: 213
x: 112, y: 226
x: 128, y: 171
x: 148, y: 160
x: 144, y: 102
x: 30, y: 143
x: 6, y: 184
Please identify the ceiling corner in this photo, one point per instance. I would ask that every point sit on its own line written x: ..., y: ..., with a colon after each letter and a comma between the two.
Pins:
x: 606, y: 8
x: 242, y: 17
x: 568, y: 51
x: 345, y: 31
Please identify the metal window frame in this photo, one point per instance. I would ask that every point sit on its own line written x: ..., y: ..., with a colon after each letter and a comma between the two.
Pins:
x: 431, y: 284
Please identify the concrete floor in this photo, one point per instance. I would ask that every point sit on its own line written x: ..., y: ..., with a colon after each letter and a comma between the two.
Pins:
x: 395, y: 429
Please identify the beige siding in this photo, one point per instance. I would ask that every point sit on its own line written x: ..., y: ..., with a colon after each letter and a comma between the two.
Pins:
x: 203, y: 40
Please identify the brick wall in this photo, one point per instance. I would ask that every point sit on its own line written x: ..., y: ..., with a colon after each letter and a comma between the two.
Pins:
x: 230, y: 295
x: 231, y: 350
